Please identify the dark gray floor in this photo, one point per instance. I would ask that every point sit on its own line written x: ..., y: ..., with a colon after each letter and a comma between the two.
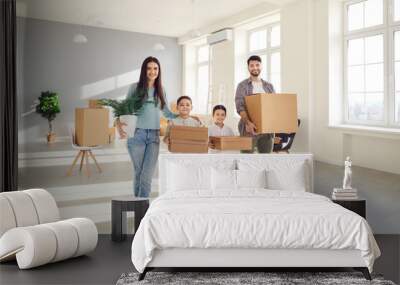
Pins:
x: 110, y: 260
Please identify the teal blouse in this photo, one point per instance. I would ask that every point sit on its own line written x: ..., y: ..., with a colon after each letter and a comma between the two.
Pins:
x: 149, y: 116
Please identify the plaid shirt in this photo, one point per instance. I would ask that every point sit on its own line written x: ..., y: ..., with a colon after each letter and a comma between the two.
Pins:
x: 245, y: 88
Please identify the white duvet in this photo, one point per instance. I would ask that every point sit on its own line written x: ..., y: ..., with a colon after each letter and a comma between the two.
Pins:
x: 252, y: 218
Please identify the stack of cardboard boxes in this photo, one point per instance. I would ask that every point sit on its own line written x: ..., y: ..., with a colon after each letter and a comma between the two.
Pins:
x: 188, y: 139
x: 232, y: 143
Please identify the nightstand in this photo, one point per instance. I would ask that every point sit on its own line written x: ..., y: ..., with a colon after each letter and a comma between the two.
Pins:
x: 119, y: 207
x: 358, y: 206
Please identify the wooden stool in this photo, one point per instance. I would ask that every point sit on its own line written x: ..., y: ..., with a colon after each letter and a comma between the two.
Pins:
x: 84, y: 155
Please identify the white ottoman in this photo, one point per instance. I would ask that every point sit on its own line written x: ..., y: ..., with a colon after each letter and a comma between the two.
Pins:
x: 34, y: 244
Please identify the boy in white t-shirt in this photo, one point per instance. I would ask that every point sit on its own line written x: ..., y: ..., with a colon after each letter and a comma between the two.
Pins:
x: 218, y: 128
x: 184, y: 106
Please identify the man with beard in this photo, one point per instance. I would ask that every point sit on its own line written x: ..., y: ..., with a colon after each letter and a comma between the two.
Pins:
x: 252, y: 85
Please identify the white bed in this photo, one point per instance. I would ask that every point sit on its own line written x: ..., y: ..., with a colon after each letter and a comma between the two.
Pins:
x: 248, y: 210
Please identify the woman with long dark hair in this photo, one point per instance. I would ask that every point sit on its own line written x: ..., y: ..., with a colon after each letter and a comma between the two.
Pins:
x: 146, y: 100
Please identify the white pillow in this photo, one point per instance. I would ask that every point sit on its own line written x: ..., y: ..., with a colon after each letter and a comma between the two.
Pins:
x: 182, y: 177
x: 251, y: 178
x: 292, y: 179
x: 223, y: 179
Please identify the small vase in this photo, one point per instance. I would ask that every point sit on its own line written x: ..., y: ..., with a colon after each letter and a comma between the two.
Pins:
x: 51, y: 137
x: 130, y: 121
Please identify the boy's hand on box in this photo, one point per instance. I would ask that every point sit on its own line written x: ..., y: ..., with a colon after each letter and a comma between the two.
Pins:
x: 211, y: 145
x: 196, y: 118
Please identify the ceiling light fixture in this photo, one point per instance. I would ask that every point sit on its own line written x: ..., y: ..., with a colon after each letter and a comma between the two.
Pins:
x: 80, y: 39
x: 158, y: 47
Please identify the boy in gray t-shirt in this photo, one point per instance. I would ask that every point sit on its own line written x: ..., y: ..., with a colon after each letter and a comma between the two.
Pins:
x: 184, y: 106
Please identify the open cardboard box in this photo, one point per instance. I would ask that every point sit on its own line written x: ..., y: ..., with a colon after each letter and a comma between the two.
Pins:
x: 232, y: 143
x: 273, y: 113
x: 93, y: 103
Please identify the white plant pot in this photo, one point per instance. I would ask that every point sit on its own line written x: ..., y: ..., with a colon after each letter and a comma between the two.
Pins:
x: 130, y: 121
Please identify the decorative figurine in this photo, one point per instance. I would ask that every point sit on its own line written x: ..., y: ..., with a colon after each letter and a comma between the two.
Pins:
x: 347, y: 174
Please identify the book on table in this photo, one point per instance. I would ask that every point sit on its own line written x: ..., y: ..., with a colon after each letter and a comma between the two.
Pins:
x: 344, y: 194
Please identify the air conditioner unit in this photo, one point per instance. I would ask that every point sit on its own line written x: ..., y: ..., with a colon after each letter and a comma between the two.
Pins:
x: 220, y: 36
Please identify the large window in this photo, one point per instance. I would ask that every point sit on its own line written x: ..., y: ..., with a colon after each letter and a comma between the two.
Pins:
x: 201, y: 99
x: 371, y: 62
x: 397, y: 72
x: 266, y: 42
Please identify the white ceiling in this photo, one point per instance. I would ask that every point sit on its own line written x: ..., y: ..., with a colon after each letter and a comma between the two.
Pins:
x: 161, y: 17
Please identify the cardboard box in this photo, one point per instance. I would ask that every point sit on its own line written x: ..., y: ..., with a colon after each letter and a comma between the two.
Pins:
x: 189, y: 133
x: 273, y: 113
x: 91, y: 126
x: 94, y: 104
x: 111, y: 134
x: 188, y: 139
x: 188, y: 146
x: 232, y: 143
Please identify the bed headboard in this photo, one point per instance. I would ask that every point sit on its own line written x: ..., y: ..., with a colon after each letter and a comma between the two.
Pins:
x: 219, y: 159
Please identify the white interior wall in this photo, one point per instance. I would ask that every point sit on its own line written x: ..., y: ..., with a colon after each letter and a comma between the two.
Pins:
x: 295, y: 65
x: 223, y: 79
x: 367, y: 149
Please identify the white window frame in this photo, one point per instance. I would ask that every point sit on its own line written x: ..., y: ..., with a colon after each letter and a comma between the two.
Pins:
x: 387, y: 30
x: 394, y: 26
x: 268, y: 51
x: 197, y: 66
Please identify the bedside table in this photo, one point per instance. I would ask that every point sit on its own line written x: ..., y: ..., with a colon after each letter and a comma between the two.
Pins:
x: 119, y: 207
x: 358, y: 206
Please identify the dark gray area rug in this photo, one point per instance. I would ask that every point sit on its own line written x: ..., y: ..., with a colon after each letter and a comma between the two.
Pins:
x: 243, y: 278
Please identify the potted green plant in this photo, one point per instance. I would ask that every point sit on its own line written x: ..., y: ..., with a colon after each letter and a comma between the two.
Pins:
x: 48, y: 107
x: 122, y: 110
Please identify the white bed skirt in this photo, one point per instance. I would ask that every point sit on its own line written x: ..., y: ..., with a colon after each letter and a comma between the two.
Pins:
x: 189, y: 257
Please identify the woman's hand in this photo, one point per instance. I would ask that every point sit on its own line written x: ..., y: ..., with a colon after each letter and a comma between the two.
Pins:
x: 166, y: 140
x: 121, y: 132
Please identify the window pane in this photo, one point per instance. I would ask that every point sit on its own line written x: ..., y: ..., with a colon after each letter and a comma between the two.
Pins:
x: 373, y: 13
x: 374, y: 49
x: 202, y: 55
x: 397, y: 45
x: 264, y: 66
x: 357, y: 110
x: 397, y: 107
x: 355, y: 16
x: 276, y: 81
x: 355, y: 52
x: 258, y: 40
x: 275, y: 36
x: 374, y: 106
x: 200, y: 104
x: 276, y: 62
x: 397, y: 76
x: 397, y: 10
x: 374, y: 77
x: 355, y: 79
